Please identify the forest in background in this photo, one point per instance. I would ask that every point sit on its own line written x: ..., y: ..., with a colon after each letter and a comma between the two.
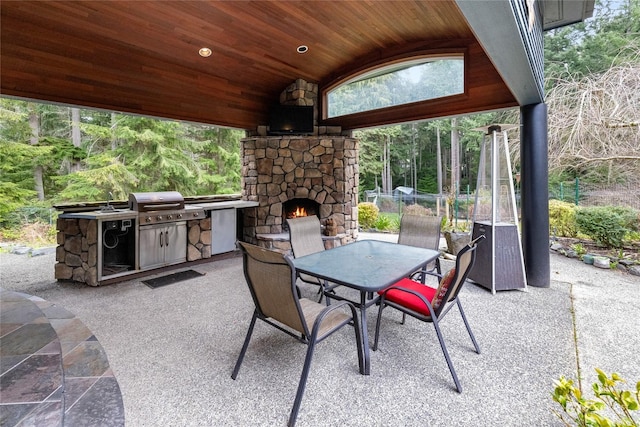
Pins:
x: 52, y: 154
x: 592, y: 79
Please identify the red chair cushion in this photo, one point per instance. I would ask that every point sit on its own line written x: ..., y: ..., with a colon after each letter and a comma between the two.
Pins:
x: 411, y: 301
x: 408, y: 300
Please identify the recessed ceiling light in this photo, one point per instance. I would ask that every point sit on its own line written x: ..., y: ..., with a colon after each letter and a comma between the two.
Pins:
x: 302, y: 49
x: 205, y: 52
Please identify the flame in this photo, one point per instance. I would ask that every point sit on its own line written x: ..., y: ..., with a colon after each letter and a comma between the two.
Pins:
x: 299, y: 212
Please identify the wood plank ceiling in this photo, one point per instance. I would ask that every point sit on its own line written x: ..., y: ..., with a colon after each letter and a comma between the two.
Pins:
x: 142, y: 56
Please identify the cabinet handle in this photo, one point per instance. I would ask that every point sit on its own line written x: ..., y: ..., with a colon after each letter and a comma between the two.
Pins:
x: 161, y: 234
x: 166, y: 238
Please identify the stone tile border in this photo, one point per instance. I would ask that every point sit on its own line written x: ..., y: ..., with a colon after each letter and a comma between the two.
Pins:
x: 54, y: 372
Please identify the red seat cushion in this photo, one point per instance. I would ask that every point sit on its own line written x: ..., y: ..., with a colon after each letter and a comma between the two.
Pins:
x: 408, y: 300
x: 411, y: 301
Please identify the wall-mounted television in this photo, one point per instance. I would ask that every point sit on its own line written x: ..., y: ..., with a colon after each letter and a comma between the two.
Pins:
x: 291, y: 120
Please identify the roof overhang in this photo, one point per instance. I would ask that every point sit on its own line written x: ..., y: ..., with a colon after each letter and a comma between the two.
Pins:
x: 560, y: 13
x: 142, y: 56
x: 510, y: 32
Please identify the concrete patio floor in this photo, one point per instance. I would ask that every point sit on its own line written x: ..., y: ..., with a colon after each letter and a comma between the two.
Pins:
x: 172, y: 350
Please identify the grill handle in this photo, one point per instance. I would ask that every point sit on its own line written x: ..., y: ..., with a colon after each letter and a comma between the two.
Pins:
x: 155, y: 207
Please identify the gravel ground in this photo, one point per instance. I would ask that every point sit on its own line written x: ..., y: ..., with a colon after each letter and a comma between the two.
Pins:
x: 26, y: 273
x: 526, y: 340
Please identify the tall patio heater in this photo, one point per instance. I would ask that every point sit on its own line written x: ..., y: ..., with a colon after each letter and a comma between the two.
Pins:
x: 499, y: 261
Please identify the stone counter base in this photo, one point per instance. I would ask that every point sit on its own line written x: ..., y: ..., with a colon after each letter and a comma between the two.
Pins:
x: 78, y: 244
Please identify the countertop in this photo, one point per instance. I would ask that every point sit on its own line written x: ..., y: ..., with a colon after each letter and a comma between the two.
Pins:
x: 108, y: 215
x: 230, y: 204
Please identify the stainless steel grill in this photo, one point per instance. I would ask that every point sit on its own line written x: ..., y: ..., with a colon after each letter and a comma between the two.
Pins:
x: 162, y: 226
x: 162, y: 207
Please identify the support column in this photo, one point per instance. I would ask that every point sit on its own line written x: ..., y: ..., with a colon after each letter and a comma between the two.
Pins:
x: 535, y: 194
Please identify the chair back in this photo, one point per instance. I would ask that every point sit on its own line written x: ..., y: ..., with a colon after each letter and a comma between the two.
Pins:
x: 305, y: 235
x: 271, y: 281
x: 465, y: 259
x: 420, y: 231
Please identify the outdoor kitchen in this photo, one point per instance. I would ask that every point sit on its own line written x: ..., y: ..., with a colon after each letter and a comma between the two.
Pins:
x: 283, y: 177
x: 101, y: 244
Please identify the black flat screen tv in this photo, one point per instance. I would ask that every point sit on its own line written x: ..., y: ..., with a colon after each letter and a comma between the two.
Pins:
x: 291, y: 120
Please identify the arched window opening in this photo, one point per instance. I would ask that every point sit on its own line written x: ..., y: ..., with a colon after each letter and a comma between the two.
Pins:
x: 413, y: 80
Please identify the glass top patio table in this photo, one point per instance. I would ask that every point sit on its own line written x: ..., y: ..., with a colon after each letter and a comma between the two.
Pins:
x: 367, y: 266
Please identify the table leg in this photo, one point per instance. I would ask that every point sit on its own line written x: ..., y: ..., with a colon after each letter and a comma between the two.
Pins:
x: 365, y: 334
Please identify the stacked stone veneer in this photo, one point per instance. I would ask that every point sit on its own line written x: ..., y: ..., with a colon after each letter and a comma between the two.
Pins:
x: 300, y: 92
x: 198, y: 239
x: 277, y: 169
x: 77, y: 251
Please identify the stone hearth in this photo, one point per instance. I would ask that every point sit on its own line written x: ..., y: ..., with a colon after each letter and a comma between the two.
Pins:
x: 276, y: 169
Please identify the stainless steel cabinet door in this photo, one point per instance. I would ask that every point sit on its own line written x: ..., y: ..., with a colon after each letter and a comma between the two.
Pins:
x: 163, y: 244
x: 151, y: 253
x: 175, y: 243
x: 223, y: 231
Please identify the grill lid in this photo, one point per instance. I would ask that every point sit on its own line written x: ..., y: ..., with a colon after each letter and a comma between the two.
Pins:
x: 156, y: 201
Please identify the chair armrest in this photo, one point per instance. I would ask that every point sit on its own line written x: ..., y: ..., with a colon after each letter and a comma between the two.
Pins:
x: 328, y: 310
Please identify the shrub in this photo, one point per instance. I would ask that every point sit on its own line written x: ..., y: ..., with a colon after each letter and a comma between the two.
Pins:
x: 36, y: 234
x: 630, y: 217
x: 562, y: 219
x: 367, y: 214
x: 603, y: 224
x: 387, y: 204
x: 579, y: 411
x: 579, y: 249
x: 416, y: 209
x: 383, y: 223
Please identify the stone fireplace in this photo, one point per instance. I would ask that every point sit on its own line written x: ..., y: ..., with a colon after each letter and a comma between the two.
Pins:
x: 278, y: 170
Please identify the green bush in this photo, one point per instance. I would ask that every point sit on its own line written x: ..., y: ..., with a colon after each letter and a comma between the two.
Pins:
x: 609, y: 399
x: 630, y: 217
x: 388, y: 222
x: 604, y: 224
x: 367, y: 214
x: 383, y: 223
x: 562, y: 219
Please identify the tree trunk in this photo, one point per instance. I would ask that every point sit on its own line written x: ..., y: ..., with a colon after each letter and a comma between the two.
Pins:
x: 389, y: 178
x: 76, y: 138
x: 34, y: 124
x: 414, y: 148
x: 386, y: 166
x: 439, y: 168
x: 455, y: 158
x: 383, y: 175
x: 114, y: 139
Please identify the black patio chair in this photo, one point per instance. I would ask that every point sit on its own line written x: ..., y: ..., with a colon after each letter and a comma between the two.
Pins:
x: 271, y: 279
x: 431, y: 305
x: 424, y: 232
x: 305, y: 236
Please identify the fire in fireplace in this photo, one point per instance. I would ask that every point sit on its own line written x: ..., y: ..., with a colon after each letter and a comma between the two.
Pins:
x: 296, y: 208
x: 297, y: 213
